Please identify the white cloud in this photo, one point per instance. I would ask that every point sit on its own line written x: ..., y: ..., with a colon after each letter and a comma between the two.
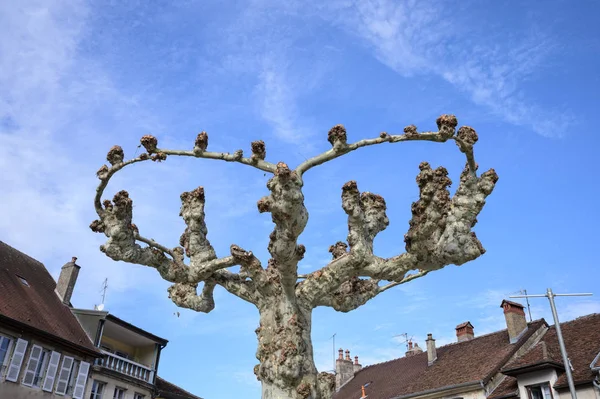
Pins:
x: 417, y: 38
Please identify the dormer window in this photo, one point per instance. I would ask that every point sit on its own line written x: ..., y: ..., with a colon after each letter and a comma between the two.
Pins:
x: 540, y: 391
x: 23, y: 280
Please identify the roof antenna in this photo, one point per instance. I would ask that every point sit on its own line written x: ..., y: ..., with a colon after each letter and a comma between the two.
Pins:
x: 566, y: 361
x: 406, y: 341
x: 333, y: 352
x: 524, y: 293
x: 103, y: 290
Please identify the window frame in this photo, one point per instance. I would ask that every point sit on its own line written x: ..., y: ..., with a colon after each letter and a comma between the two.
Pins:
x: 94, y: 393
x: 541, y: 386
x: 33, y: 371
x: 5, y: 361
x: 122, y: 390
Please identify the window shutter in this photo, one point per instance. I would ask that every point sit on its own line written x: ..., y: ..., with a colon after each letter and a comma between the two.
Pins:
x: 32, y: 363
x: 51, y: 373
x: 63, y: 376
x: 17, y: 360
x: 79, y: 390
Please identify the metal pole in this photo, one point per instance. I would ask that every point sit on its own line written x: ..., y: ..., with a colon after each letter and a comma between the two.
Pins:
x: 563, y: 350
x: 561, y: 342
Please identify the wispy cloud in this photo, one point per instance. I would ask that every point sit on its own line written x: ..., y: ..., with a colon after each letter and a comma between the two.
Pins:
x: 417, y: 38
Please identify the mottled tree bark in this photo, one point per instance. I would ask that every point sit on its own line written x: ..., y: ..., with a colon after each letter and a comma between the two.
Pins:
x: 439, y: 234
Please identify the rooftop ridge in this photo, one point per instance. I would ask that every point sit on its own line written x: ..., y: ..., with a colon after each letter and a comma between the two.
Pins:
x: 451, y: 344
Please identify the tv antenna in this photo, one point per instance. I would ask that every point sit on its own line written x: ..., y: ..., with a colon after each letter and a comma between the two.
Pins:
x: 103, y: 290
x: 524, y: 293
x: 333, y: 351
x: 551, y: 295
x: 406, y: 341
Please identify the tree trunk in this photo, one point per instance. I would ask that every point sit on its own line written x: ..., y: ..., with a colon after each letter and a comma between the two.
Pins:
x: 287, y: 369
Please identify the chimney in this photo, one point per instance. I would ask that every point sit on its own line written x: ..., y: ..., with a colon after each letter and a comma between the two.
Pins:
x: 356, y: 365
x: 464, y: 331
x: 516, y: 323
x: 413, y: 349
x: 431, y: 352
x: 344, y: 369
x: 66, y: 281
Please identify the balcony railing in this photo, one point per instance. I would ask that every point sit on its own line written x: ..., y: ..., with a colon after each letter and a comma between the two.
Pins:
x: 126, y: 366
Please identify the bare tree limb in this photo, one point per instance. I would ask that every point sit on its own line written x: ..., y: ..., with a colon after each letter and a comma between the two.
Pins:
x: 337, y: 137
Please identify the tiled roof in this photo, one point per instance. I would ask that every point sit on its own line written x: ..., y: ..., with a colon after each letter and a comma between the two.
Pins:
x: 37, y: 305
x: 539, y: 356
x: 168, y: 390
x: 507, y: 389
x: 582, y: 341
x: 458, y: 363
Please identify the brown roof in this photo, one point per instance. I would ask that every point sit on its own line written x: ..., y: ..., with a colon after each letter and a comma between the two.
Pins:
x: 582, y: 341
x: 36, y: 307
x: 458, y: 363
x: 507, y: 389
x: 168, y: 390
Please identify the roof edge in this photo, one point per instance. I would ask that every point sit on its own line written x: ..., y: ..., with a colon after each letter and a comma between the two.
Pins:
x: 435, y: 390
x: 51, y: 337
x: 138, y: 330
x: 543, y: 364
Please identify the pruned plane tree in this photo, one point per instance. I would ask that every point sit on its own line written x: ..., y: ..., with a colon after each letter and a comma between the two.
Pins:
x: 439, y: 234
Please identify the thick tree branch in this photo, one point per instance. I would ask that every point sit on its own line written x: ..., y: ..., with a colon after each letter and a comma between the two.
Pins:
x: 439, y: 234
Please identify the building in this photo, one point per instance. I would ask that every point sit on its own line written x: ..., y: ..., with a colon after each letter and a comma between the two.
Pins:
x: 131, y: 355
x: 50, y: 349
x: 522, y: 361
x: 43, y: 349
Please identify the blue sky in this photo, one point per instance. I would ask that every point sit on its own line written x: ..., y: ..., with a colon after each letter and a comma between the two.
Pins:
x: 78, y: 77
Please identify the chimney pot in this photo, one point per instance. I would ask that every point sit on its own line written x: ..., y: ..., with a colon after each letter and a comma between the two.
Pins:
x: 516, y: 323
x: 345, y: 368
x: 74, y: 259
x: 464, y: 332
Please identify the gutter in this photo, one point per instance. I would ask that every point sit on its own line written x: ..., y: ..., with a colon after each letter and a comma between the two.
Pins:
x: 478, y: 383
x: 51, y: 337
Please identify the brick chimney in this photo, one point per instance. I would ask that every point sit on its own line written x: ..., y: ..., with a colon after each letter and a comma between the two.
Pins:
x: 464, y: 332
x: 413, y: 349
x: 357, y: 366
x: 431, y: 351
x: 66, y: 281
x: 516, y: 323
x: 344, y: 369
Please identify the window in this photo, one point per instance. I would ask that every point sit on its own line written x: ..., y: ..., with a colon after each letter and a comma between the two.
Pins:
x: 23, y: 280
x: 40, y: 371
x: 72, y: 377
x: 5, y: 345
x: 36, y: 366
x: 97, y: 389
x: 541, y: 391
x: 138, y: 396
x: 119, y: 393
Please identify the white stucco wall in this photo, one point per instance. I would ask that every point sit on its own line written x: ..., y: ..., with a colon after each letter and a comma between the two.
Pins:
x: 111, y: 383
x: 537, y: 377
x: 582, y: 393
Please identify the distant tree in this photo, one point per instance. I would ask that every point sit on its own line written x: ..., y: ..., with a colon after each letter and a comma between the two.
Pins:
x: 439, y: 234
